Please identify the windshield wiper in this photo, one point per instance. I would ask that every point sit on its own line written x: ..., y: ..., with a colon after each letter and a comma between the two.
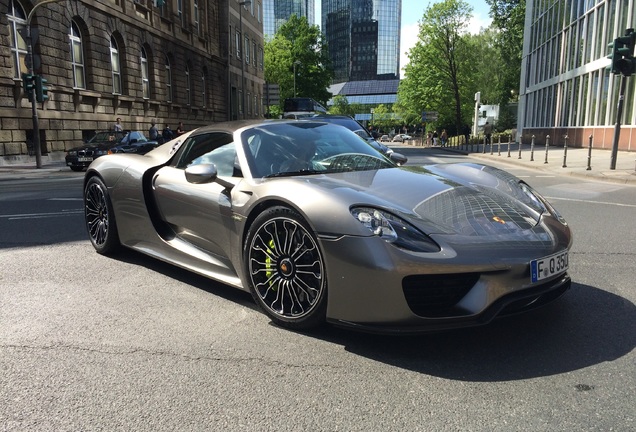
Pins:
x: 295, y: 173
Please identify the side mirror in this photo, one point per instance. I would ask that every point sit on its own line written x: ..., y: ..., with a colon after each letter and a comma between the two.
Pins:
x: 398, y: 158
x: 205, y: 173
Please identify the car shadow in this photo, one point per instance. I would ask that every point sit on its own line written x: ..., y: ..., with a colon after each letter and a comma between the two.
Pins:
x: 585, y: 327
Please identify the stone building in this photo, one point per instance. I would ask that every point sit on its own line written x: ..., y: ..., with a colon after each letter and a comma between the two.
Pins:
x: 194, y: 61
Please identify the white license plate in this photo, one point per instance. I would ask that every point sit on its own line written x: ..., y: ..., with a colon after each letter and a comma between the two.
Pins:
x: 548, y: 266
x: 85, y: 159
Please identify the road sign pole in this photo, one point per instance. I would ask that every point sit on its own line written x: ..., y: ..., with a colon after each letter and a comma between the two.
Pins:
x: 617, y: 127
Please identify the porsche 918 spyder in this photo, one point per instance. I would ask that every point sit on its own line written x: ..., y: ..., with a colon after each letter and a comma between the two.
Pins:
x: 320, y: 227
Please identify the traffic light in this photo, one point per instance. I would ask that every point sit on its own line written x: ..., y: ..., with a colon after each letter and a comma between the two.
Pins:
x: 28, y: 85
x: 622, y: 54
x: 41, y: 90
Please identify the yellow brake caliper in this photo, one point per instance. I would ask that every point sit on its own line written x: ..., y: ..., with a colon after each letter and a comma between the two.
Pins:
x: 269, y: 264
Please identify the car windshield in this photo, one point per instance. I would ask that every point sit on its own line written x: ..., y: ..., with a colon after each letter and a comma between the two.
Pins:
x: 107, y: 137
x: 308, y: 147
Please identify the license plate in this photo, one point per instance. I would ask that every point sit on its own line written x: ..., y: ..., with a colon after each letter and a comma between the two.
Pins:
x: 85, y: 159
x: 548, y: 266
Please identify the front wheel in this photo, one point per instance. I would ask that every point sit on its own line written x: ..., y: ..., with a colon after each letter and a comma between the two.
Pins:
x: 285, y: 269
x: 100, y: 218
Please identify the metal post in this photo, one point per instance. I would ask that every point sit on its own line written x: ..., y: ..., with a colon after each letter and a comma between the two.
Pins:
x: 565, y: 152
x: 484, y: 149
x: 241, y: 5
x: 532, y: 149
x: 34, y: 106
x: 547, y: 144
x: 509, y: 139
x: 492, y: 146
x: 296, y: 63
x: 499, y: 146
x: 617, y: 127
x: 589, y: 155
x: 519, y: 149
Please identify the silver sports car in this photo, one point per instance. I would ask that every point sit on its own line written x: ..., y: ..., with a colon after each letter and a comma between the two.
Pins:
x: 320, y: 227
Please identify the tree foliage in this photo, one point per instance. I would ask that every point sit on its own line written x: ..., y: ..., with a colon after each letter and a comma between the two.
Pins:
x: 439, y: 75
x: 298, y: 41
x: 509, y: 17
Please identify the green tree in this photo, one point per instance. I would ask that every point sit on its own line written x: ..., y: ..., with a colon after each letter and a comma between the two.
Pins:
x: 509, y: 17
x: 438, y: 76
x: 341, y: 106
x: 298, y: 41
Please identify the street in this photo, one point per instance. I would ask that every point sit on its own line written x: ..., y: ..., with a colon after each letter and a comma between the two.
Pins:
x: 89, y: 342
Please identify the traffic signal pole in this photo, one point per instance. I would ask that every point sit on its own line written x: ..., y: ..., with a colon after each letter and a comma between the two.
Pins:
x: 617, y: 127
x: 34, y: 107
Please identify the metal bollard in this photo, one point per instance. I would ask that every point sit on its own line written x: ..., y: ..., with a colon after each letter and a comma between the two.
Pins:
x: 499, y: 146
x: 491, y: 146
x: 519, y: 149
x: 484, y: 149
x: 547, y: 144
x: 509, y: 139
x: 532, y: 149
x: 589, y: 155
x: 565, y: 152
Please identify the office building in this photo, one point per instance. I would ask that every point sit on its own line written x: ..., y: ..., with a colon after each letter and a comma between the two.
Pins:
x: 363, y: 37
x: 566, y: 88
x: 277, y: 12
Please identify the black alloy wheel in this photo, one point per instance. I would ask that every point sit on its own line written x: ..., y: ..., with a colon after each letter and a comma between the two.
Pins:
x: 100, y: 218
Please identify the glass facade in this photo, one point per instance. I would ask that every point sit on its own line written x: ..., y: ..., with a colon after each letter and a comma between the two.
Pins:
x: 363, y: 37
x: 565, y: 85
x: 277, y: 12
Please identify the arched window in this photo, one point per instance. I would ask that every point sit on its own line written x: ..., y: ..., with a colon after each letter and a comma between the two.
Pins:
x: 188, y: 84
x: 115, y: 66
x: 197, y: 27
x: 145, y: 82
x: 17, y: 23
x: 77, y: 57
x: 168, y: 81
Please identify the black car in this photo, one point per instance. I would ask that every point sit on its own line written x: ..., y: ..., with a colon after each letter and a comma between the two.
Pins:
x: 354, y: 126
x: 107, y: 142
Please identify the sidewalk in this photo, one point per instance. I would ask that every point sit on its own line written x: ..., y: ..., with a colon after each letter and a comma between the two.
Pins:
x: 578, y: 161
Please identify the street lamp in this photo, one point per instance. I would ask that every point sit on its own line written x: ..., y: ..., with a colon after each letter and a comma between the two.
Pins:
x: 241, y: 5
x: 34, y: 107
x: 296, y: 63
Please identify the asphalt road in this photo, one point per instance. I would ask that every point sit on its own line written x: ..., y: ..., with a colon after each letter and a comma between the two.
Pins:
x: 129, y: 343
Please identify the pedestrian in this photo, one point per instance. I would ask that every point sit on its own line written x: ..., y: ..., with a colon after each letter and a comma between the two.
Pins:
x: 118, y: 126
x: 444, y: 137
x: 153, y: 132
x: 466, y: 134
x: 435, y: 138
x: 488, y: 132
x: 180, y: 130
x: 167, y: 133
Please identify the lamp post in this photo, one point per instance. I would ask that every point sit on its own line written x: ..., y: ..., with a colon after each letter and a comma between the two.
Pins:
x: 296, y: 63
x: 241, y: 6
x: 31, y: 66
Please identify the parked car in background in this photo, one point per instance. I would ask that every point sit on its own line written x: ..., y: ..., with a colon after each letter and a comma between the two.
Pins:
x: 106, y: 142
x: 385, y: 138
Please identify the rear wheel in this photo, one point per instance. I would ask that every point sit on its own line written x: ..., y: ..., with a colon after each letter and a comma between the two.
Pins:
x: 285, y: 269
x: 100, y: 218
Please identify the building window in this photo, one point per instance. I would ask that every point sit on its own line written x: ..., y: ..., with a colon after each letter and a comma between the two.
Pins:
x: 77, y: 57
x: 258, y: 12
x: 115, y: 66
x: 260, y: 57
x: 168, y: 71
x: 247, y: 50
x: 180, y: 12
x: 249, y: 104
x: 188, y: 88
x: 196, y: 17
x: 203, y: 95
x: 17, y: 22
x: 240, y: 101
x: 237, y: 42
x: 145, y: 83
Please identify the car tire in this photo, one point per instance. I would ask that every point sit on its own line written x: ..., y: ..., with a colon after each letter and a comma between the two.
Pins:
x: 100, y: 217
x: 77, y: 168
x: 285, y: 269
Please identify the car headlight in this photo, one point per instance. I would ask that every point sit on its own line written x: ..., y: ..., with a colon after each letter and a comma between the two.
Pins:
x: 72, y: 153
x: 541, y: 203
x: 394, y: 230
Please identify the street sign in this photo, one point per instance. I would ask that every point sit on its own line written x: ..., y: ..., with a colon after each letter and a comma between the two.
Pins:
x: 429, y: 116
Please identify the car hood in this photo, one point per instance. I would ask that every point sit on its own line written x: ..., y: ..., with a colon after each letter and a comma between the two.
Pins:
x: 466, y: 200
x: 95, y: 146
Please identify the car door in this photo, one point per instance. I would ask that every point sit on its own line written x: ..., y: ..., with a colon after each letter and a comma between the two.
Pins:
x: 199, y: 214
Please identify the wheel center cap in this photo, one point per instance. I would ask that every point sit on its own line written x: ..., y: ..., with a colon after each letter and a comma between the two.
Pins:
x: 286, y: 267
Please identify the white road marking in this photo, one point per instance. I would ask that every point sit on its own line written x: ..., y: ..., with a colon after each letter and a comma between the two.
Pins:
x: 590, y: 202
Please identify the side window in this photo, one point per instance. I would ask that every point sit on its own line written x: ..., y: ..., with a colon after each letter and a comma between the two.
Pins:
x: 212, y: 148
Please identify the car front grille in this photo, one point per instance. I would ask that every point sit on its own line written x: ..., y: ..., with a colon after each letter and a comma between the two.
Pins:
x: 436, y: 295
x: 85, y: 152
